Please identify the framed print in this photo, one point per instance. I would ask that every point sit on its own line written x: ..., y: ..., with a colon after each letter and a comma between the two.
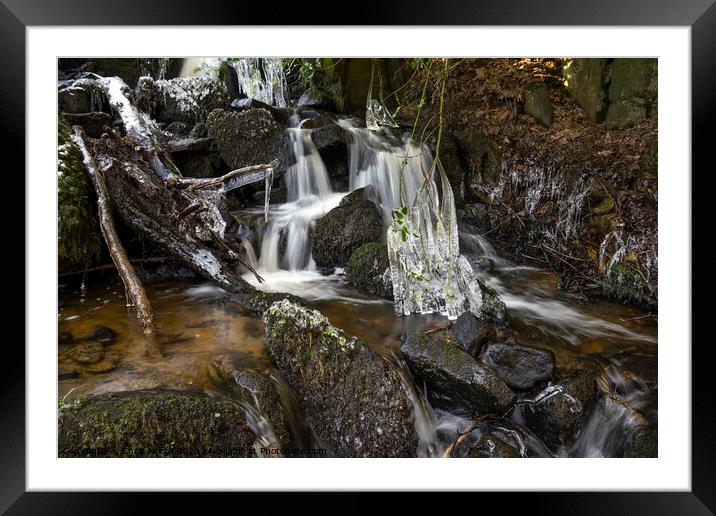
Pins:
x: 390, y: 256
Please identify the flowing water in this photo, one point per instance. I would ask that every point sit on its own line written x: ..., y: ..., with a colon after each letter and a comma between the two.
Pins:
x: 197, y: 324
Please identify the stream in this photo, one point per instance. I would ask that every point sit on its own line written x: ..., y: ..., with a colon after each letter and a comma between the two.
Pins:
x: 196, y: 323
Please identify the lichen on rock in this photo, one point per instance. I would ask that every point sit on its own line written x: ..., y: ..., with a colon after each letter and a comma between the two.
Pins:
x: 352, y: 398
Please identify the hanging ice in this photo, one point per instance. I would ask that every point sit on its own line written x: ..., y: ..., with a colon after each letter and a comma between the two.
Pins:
x: 377, y: 115
x: 262, y: 79
x: 267, y: 192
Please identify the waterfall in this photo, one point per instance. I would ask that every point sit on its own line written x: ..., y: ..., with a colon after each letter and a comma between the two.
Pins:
x: 286, y: 242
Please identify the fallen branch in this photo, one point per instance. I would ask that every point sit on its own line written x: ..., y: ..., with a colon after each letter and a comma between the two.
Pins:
x: 462, y: 435
x: 132, y: 284
x: 231, y: 180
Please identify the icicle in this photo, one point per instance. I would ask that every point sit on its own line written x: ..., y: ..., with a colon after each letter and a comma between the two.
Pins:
x: 267, y: 192
x: 377, y: 115
x: 262, y: 79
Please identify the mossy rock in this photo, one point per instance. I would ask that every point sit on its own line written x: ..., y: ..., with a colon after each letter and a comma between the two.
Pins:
x: 456, y: 380
x: 369, y: 270
x: 538, y: 104
x: 250, y: 137
x: 153, y: 423
x: 339, y: 233
x: 627, y: 284
x: 77, y: 227
x: 352, y: 398
x: 632, y: 91
x: 586, y: 80
x: 185, y: 99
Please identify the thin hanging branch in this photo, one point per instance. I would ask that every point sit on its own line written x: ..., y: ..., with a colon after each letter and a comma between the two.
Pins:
x: 132, y: 284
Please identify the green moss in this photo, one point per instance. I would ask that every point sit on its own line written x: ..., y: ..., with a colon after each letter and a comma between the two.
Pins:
x: 626, y: 284
x: 77, y: 228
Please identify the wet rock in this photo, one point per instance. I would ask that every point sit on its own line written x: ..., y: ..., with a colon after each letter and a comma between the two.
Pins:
x: 315, y: 98
x: 496, y: 444
x: 185, y: 99
x: 369, y: 270
x: 247, y: 103
x: 586, y: 80
x: 472, y: 333
x: 177, y: 128
x: 82, y: 96
x: 558, y: 412
x: 521, y: 367
x: 538, y: 103
x: 343, y: 230
x: 644, y: 444
x: 153, y: 423
x: 65, y: 337
x: 351, y: 397
x: 250, y: 137
x: 456, y: 381
x: 493, y: 307
x: 253, y: 387
x: 93, y: 124
x: 87, y: 353
x: 105, y: 335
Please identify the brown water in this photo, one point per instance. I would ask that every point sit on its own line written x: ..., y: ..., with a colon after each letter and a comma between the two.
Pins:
x: 197, y: 324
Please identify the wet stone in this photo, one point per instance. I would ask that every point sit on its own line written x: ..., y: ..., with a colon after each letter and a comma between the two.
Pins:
x: 521, y: 367
x: 472, y: 333
x: 87, y: 353
x: 65, y: 337
x: 105, y: 335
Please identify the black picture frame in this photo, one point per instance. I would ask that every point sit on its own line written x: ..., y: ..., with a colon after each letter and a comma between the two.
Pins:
x: 700, y: 15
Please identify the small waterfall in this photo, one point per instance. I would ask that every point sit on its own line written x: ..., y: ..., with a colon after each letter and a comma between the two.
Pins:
x: 286, y: 241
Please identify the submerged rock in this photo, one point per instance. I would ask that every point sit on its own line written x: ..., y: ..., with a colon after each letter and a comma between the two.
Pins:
x: 344, y: 229
x: 456, y: 381
x: 369, y: 270
x: 153, y: 423
x: 105, y: 335
x: 521, y: 367
x: 556, y: 414
x: 249, y: 137
x: 352, y: 398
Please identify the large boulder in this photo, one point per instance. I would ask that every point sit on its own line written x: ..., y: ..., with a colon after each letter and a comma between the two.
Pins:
x: 521, y: 367
x: 369, y: 270
x: 586, y: 79
x: 632, y: 92
x: 352, y: 398
x: 185, y: 99
x: 556, y: 414
x: 153, y: 423
x: 344, y: 229
x: 455, y: 380
x: 250, y: 137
